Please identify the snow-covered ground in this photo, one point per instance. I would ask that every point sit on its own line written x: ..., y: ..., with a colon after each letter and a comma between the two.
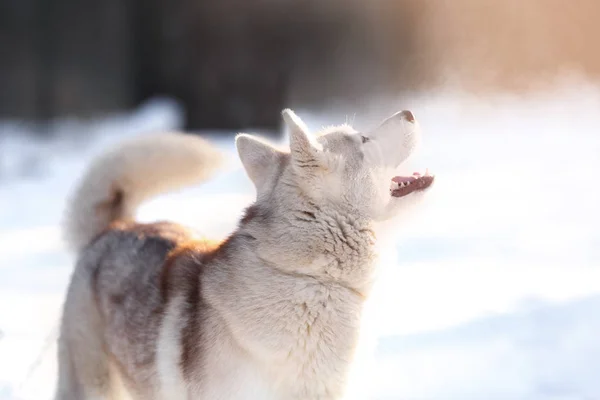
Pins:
x: 493, y: 288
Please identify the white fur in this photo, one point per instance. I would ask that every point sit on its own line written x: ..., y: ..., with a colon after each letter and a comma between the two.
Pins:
x: 141, y: 168
x: 172, y: 384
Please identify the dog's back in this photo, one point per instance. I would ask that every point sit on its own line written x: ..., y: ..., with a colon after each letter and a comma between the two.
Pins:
x: 107, y: 340
x: 126, y: 266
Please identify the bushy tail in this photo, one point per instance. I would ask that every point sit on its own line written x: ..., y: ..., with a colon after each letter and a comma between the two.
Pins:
x: 118, y: 181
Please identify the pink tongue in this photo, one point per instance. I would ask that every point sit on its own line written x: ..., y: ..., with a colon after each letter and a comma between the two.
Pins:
x: 404, y: 179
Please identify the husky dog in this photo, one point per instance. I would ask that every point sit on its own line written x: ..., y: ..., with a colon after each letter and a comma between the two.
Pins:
x: 271, y: 312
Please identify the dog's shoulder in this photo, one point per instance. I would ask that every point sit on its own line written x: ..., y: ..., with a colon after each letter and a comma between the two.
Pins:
x: 127, y: 258
x: 137, y: 270
x: 175, y: 253
x: 185, y: 263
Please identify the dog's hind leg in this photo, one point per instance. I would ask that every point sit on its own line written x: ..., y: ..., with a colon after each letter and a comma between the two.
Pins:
x: 66, y: 386
x: 83, y: 364
x: 80, y: 377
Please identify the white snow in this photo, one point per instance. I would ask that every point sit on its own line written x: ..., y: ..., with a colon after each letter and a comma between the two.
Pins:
x: 493, y: 288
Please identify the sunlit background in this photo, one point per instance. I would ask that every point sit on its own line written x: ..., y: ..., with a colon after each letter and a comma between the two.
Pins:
x: 492, y: 288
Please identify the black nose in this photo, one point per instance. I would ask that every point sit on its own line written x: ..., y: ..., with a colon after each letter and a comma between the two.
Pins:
x: 408, y: 115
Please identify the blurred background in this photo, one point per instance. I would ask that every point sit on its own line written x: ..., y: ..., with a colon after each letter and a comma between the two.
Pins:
x: 234, y: 64
x: 490, y: 291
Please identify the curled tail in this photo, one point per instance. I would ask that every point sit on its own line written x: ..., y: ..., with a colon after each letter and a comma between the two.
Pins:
x: 119, y: 180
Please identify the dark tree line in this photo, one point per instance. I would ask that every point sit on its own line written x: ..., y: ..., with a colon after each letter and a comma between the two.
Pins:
x: 231, y: 63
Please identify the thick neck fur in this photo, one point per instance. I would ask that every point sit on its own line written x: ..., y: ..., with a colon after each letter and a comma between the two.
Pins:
x: 302, y: 330
x: 300, y: 235
x: 292, y: 293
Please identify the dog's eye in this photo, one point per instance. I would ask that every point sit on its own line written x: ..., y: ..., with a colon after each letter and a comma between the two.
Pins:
x: 364, y: 139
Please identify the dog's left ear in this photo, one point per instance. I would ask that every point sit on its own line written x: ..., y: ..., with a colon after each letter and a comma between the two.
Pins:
x: 260, y: 160
x: 303, y: 148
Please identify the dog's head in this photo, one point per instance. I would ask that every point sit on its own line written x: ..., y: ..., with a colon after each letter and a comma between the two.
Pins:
x: 355, y: 172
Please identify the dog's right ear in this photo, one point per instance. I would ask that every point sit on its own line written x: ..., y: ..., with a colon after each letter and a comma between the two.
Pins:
x: 304, y: 149
x: 259, y: 158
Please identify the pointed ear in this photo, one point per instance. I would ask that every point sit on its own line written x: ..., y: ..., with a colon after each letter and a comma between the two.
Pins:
x: 260, y: 159
x: 303, y: 147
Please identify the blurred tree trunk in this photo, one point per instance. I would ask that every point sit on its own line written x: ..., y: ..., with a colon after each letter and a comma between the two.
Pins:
x: 231, y: 63
x: 17, y: 59
x: 228, y: 61
x: 64, y: 58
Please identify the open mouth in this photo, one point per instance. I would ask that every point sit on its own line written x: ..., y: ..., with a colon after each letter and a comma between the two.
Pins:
x: 404, y: 185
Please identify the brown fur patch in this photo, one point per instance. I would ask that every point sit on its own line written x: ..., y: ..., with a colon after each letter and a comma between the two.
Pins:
x: 126, y: 263
x: 181, y: 274
x: 113, y: 206
x: 187, y: 252
x: 162, y: 229
x: 249, y: 214
x: 166, y: 261
x: 254, y: 213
